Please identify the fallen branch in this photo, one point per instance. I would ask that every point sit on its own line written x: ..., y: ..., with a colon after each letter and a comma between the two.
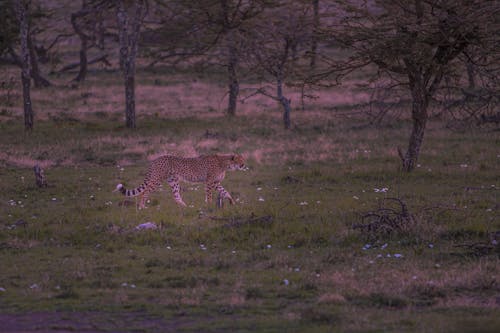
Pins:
x: 478, y: 249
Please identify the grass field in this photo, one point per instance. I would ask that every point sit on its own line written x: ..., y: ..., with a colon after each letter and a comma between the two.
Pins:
x: 285, y: 258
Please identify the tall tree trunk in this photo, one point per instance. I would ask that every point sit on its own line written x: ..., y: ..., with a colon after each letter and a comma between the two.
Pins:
x: 100, y: 32
x: 21, y: 9
x: 82, y: 73
x: 130, y: 99
x: 122, y: 19
x: 128, y: 36
x: 314, y: 38
x: 420, y: 102
x: 232, y: 57
x: 285, y: 103
x: 470, y: 74
x: 234, y: 85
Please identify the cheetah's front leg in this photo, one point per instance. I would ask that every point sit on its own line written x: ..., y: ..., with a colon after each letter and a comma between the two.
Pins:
x: 224, y: 194
x: 174, y: 184
x: 209, y: 187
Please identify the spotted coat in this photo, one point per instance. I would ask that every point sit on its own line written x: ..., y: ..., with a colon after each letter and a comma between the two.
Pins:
x: 207, y: 169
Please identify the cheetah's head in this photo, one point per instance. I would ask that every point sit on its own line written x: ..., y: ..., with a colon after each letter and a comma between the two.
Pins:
x: 237, y: 162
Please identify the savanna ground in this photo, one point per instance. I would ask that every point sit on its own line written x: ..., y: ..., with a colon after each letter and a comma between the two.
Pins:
x: 284, y: 258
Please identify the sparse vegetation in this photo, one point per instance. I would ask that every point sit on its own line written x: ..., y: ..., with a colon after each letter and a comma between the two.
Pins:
x: 284, y: 258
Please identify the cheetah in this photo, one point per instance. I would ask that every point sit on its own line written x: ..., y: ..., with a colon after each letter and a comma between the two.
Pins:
x: 208, y: 169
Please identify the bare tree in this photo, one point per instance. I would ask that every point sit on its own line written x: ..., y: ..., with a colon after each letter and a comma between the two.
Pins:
x: 280, y: 43
x: 21, y: 8
x: 414, y: 44
x: 471, y: 92
x: 209, y: 31
x: 80, y: 20
x: 129, y: 19
x: 235, y: 17
x: 9, y: 33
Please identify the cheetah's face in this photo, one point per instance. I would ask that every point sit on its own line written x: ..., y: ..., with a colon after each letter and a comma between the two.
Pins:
x: 237, y: 163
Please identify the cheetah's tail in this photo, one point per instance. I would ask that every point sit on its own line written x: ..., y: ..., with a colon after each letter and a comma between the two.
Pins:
x: 130, y: 193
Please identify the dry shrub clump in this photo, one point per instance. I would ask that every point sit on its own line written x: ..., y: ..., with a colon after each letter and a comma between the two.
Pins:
x: 391, y: 218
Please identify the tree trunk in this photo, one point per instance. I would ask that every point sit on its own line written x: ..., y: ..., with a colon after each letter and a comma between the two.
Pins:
x: 130, y: 100
x: 470, y: 74
x: 38, y: 79
x: 420, y: 103
x: 82, y: 73
x: 234, y: 89
x: 234, y: 85
x: 21, y: 9
x: 232, y: 57
x: 314, y: 38
x: 285, y: 103
x: 128, y: 36
x: 100, y: 32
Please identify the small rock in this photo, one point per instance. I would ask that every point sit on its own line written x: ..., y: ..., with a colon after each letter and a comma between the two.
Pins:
x: 146, y: 226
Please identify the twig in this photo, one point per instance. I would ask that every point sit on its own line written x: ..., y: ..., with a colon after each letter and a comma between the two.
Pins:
x: 386, y: 220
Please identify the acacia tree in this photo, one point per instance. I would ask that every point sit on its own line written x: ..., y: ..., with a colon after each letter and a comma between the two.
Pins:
x: 235, y: 16
x: 279, y: 45
x: 129, y: 18
x: 414, y: 44
x: 9, y: 37
x: 212, y: 31
x: 88, y: 25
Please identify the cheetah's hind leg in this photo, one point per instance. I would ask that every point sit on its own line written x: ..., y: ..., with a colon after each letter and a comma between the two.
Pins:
x: 142, y: 202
